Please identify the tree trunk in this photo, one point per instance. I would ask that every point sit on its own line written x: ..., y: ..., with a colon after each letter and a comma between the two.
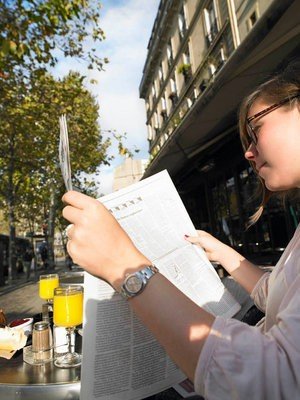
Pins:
x: 51, y: 228
x: 2, y: 277
x: 12, y: 257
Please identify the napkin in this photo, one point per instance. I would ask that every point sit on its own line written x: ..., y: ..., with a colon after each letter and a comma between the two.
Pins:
x: 11, y: 340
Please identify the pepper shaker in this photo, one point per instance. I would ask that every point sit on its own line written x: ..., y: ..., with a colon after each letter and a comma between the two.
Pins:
x: 42, y: 343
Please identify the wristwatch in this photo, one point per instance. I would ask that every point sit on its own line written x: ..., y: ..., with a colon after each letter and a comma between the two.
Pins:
x: 135, y: 283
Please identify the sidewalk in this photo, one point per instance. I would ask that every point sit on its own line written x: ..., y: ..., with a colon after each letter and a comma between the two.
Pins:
x: 21, y: 281
x: 20, y: 298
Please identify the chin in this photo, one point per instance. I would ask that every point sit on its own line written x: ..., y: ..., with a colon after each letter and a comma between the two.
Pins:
x: 276, y: 187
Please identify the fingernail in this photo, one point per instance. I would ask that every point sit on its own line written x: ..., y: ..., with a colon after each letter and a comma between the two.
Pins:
x: 186, y: 236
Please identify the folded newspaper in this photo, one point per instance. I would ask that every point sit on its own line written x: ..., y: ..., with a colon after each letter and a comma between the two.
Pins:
x: 121, y: 358
x: 64, y: 152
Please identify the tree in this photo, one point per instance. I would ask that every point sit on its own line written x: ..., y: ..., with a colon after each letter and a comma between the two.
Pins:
x: 33, y: 35
x: 34, y: 32
x: 30, y: 177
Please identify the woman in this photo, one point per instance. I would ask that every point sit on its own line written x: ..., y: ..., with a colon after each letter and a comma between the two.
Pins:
x: 226, y: 358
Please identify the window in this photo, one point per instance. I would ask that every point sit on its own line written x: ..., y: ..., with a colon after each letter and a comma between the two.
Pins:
x: 156, y: 122
x: 181, y: 23
x: 212, y: 68
x: 150, y: 133
x: 153, y: 89
x: 251, y: 20
x: 186, y: 57
x: 220, y: 58
x: 170, y: 53
x: 203, y: 84
x: 195, y: 93
x: 210, y: 23
x: 161, y: 73
x: 173, y: 85
x: 164, y: 113
x: 173, y: 94
x: 185, y: 68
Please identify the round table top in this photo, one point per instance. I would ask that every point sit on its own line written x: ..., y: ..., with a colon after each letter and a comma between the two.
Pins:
x: 19, y: 380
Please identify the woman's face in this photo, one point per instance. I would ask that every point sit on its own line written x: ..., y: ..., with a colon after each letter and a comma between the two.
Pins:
x: 277, y: 153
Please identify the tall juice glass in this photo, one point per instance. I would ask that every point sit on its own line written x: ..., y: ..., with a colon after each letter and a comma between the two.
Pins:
x: 68, y: 313
x: 47, y: 284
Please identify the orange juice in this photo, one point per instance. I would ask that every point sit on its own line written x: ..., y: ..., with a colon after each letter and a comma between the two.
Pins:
x: 47, y: 286
x: 68, y: 309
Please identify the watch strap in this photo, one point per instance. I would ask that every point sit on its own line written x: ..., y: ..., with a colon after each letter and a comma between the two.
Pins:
x: 144, y: 275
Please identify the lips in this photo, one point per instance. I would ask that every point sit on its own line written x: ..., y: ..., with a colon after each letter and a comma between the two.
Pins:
x: 258, y: 167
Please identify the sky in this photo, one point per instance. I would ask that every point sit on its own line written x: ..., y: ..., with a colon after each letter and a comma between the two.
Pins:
x: 127, y: 25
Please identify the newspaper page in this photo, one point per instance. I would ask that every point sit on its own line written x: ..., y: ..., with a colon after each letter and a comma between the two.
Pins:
x: 121, y: 358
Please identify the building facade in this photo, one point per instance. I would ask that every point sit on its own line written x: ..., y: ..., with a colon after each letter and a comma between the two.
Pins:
x: 203, y: 57
x: 129, y: 172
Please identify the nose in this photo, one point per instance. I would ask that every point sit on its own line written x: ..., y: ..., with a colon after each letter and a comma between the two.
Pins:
x: 251, y: 152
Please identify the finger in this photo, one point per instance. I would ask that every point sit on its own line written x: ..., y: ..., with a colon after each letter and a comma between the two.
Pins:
x: 77, y: 199
x: 192, y: 239
x: 69, y: 230
x: 72, y: 214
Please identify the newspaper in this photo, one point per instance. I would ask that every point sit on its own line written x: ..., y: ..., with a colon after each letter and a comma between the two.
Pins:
x: 121, y: 358
x: 64, y: 154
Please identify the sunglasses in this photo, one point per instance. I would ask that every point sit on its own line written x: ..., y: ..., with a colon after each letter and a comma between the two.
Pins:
x: 251, y: 130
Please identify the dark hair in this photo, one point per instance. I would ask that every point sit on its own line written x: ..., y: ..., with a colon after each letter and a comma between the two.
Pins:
x: 284, y: 84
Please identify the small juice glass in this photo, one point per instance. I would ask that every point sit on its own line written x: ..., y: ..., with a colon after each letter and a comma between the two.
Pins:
x: 47, y: 284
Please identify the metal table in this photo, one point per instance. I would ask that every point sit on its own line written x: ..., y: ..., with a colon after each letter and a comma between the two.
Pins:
x: 19, y: 380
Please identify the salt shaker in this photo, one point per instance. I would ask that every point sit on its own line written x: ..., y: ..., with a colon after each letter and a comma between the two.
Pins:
x: 42, y: 344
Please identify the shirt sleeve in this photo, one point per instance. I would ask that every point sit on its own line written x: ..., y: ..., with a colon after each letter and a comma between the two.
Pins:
x: 238, y: 361
x: 260, y: 292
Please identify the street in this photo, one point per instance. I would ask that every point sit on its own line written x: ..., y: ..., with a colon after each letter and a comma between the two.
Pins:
x: 22, y: 302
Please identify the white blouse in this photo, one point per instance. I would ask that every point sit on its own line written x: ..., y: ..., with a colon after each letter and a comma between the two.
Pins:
x: 259, y: 362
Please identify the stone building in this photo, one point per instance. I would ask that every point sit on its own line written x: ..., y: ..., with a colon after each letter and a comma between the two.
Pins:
x: 203, y: 57
x: 128, y: 172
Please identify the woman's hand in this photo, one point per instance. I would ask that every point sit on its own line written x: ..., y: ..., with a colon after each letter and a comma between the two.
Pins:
x: 242, y: 270
x: 97, y: 242
x: 213, y: 247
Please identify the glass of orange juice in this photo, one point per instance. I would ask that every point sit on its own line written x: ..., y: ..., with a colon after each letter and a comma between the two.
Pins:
x: 68, y: 313
x: 47, y: 284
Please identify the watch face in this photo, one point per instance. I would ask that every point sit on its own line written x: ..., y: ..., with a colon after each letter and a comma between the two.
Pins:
x: 134, y: 284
